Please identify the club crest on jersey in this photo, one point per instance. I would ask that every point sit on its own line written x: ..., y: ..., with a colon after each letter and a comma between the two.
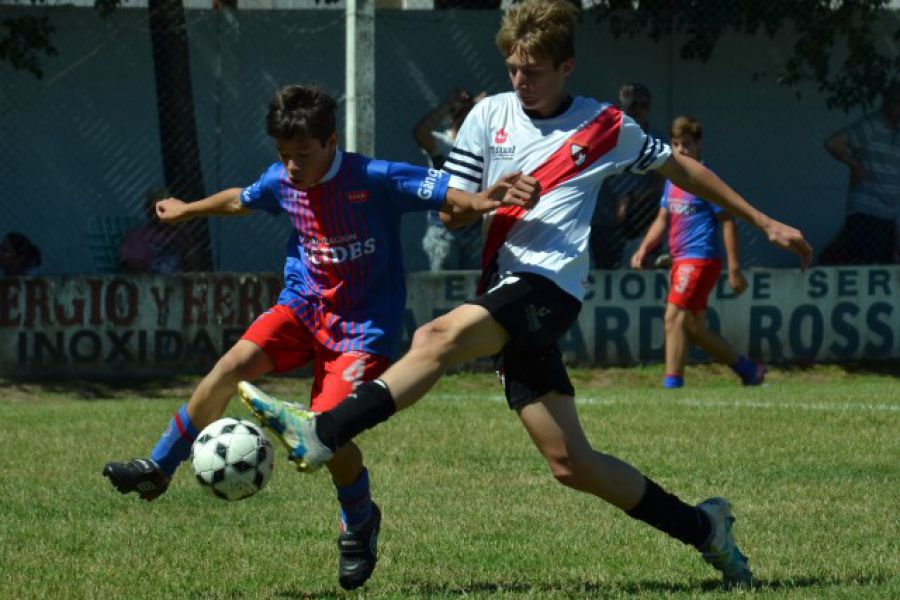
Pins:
x: 357, y: 196
x: 500, y: 137
x: 579, y: 154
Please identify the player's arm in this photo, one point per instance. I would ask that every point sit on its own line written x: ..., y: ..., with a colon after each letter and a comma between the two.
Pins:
x: 461, y: 208
x: 736, y: 280
x: 690, y: 175
x: 221, y: 204
x: 651, y: 240
x: 432, y: 120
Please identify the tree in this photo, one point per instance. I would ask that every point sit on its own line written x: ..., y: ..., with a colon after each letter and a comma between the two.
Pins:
x: 824, y: 30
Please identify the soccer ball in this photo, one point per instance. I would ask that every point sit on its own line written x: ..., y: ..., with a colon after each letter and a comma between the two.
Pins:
x: 232, y: 459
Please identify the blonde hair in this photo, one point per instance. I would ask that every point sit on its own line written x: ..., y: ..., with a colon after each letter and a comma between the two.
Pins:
x: 686, y: 126
x: 540, y: 29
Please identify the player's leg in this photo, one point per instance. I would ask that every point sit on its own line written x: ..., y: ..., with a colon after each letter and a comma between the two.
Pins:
x: 552, y: 423
x: 268, y: 343
x: 337, y: 375
x: 709, y: 341
x: 465, y: 333
x: 676, y: 348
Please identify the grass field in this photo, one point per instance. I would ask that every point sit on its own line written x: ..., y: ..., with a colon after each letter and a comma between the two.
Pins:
x: 811, y: 462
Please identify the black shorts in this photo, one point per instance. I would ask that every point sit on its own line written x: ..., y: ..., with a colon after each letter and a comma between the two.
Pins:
x: 536, y: 313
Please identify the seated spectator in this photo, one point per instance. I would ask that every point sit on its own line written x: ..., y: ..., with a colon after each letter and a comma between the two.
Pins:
x: 459, y: 249
x: 18, y: 256
x: 153, y: 247
x: 871, y: 150
x: 627, y: 203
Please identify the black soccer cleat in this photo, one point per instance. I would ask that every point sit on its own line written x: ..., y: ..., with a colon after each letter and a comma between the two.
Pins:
x: 139, y: 475
x: 359, y: 552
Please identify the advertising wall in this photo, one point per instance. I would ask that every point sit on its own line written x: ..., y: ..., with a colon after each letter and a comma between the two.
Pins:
x: 151, y: 325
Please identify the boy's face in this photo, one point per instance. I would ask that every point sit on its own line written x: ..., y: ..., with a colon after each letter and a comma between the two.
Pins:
x: 687, y: 146
x: 306, y: 159
x: 539, y: 84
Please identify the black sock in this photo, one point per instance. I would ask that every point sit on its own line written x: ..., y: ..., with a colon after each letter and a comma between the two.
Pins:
x: 365, y: 408
x: 667, y: 513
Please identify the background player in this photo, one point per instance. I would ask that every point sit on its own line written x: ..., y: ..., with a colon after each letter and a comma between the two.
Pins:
x: 535, y: 262
x: 696, y: 255
x: 343, y: 300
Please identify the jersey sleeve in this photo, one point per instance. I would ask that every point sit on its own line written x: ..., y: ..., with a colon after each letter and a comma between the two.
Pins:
x: 410, y: 187
x: 465, y: 163
x: 664, y: 201
x: 261, y: 195
x: 639, y: 152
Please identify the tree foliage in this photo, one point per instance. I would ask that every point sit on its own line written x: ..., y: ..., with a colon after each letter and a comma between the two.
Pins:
x: 836, y: 42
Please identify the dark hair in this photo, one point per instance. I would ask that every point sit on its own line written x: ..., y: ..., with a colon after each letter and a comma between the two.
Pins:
x: 24, y: 250
x: 301, y: 111
x: 630, y: 92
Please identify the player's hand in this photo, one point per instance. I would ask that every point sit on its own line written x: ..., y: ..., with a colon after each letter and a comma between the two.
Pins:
x: 637, y: 259
x: 736, y: 281
x: 171, y: 210
x: 516, y: 189
x: 858, y: 172
x: 790, y: 239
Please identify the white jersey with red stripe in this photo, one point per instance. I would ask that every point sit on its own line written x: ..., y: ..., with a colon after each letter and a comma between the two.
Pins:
x: 570, y: 154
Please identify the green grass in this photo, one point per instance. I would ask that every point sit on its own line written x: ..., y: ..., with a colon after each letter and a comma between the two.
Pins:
x: 811, y: 463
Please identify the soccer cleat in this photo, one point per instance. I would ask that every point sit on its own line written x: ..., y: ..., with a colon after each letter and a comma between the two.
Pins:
x: 359, y: 552
x: 292, y: 423
x: 757, y: 377
x: 720, y: 550
x: 140, y: 475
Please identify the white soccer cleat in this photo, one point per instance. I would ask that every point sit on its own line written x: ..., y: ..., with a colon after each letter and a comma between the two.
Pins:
x: 293, y: 424
x: 720, y: 550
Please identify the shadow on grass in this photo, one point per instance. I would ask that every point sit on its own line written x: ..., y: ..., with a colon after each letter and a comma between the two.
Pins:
x: 575, y: 588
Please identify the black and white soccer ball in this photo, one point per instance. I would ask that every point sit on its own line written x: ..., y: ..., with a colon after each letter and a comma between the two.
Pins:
x: 232, y: 458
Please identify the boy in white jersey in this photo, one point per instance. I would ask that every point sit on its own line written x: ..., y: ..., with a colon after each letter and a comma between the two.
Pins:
x: 534, y: 264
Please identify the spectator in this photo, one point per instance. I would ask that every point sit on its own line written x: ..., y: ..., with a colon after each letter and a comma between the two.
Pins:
x: 18, y: 256
x: 871, y: 149
x: 459, y: 249
x: 627, y: 203
x: 153, y: 247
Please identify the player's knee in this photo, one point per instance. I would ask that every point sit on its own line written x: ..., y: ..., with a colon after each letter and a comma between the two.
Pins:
x: 435, y: 338
x: 233, y: 365
x: 674, y: 320
x: 563, y: 467
x: 691, y: 324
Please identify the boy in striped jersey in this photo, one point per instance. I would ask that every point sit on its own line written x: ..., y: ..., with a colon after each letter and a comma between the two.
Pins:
x: 696, y: 263
x: 534, y: 264
x: 344, y: 296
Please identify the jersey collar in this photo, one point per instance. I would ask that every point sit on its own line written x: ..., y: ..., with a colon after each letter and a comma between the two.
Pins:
x: 335, y: 165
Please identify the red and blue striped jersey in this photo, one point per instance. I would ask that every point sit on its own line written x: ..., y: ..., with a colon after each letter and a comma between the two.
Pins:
x: 344, y: 276
x: 693, y: 224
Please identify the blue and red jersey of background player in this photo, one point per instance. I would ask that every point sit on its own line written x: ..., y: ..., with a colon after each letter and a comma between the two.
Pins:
x: 344, y: 276
x: 693, y: 224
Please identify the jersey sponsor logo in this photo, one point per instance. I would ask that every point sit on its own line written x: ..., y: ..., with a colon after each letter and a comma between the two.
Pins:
x: 426, y: 188
x: 503, y: 152
x: 334, y: 254
x: 357, y: 196
x: 500, y: 137
x: 682, y: 208
x: 579, y: 154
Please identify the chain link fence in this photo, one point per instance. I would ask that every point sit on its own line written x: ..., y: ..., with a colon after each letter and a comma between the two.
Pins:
x: 171, y: 98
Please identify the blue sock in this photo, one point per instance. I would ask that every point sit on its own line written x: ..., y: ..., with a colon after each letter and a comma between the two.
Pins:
x: 744, y: 367
x: 673, y: 381
x: 175, y: 444
x: 356, y: 502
